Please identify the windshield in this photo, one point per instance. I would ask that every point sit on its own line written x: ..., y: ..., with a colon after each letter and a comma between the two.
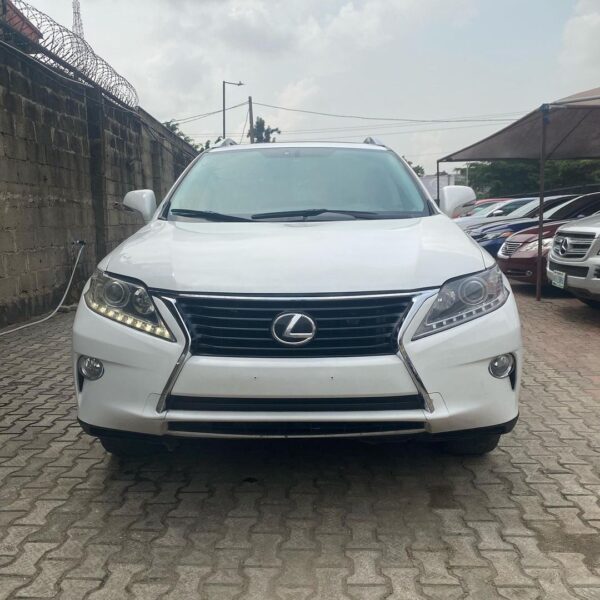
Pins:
x: 311, y: 182
x: 523, y: 211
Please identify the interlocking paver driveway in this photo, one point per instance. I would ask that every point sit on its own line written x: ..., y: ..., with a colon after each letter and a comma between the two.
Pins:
x: 306, y: 520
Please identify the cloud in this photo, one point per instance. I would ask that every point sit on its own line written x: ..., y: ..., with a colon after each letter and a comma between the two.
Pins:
x: 580, y: 53
x: 400, y: 58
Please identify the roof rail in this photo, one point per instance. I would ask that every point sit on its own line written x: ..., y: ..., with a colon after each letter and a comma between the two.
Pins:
x: 225, y: 142
x: 373, y: 140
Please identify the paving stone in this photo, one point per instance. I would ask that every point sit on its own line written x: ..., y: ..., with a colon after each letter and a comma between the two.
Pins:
x: 339, y: 521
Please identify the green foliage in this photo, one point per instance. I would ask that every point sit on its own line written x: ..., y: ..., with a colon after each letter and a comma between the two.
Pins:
x: 262, y: 133
x: 507, y: 177
x: 173, y: 126
x: 418, y: 169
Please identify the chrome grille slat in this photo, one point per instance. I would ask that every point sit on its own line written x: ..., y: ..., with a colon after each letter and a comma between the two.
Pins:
x: 509, y: 248
x: 577, y: 244
x: 351, y: 326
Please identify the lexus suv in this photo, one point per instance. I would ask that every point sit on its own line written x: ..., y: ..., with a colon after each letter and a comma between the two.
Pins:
x: 297, y: 291
x: 574, y: 261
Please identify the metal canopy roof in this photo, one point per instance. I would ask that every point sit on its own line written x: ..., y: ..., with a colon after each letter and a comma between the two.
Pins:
x: 572, y: 131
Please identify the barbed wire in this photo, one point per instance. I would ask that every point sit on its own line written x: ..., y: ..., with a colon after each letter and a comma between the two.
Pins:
x: 62, y: 43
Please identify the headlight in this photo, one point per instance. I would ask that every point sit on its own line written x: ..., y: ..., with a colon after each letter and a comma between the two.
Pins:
x: 126, y: 303
x: 496, y: 235
x: 533, y: 246
x: 464, y: 299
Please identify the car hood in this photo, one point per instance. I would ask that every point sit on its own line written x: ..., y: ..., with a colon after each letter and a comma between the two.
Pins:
x: 516, y: 224
x: 531, y: 233
x: 586, y: 225
x: 297, y: 257
x: 473, y: 222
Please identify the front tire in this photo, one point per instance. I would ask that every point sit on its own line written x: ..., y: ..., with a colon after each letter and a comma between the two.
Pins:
x: 473, y: 445
x: 125, y: 448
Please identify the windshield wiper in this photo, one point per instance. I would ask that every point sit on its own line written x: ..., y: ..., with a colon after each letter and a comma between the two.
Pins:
x: 209, y: 215
x: 315, y: 212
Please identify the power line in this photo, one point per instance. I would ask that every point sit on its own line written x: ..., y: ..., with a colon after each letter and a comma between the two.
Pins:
x: 208, y: 114
x: 362, y: 117
x: 405, y: 132
x: 374, y: 132
x: 245, y: 123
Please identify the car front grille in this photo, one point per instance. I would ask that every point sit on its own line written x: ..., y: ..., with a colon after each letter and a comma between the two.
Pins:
x: 509, y: 248
x: 345, y: 326
x: 200, y: 403
x: 569, y: 269
x: 573, y: 245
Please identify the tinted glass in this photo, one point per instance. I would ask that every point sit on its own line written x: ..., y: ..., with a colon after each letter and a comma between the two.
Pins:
x: 584, y: 206
x: 246, y: 182
x: 509, y: 207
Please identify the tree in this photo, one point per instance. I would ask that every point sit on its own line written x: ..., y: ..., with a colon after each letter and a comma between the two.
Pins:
x: 262, y: 133
x: 418, y: 169
x: 173, y: 126
x: 508, y: 177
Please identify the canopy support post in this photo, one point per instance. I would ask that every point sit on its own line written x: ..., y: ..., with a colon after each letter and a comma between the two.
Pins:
x: 544, y: 111
x: 438, y: 182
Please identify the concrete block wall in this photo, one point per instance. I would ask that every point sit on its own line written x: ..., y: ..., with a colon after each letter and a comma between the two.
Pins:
x: 67, y: 157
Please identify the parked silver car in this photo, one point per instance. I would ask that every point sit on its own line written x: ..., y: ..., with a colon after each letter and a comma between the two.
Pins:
x: 574, y: 261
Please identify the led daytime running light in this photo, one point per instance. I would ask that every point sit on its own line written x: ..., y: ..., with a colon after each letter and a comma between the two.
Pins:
x: 140, y: 315
x: 121, y: 317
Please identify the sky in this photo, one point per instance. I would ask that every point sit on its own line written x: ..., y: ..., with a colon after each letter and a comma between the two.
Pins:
x: 385, y: 59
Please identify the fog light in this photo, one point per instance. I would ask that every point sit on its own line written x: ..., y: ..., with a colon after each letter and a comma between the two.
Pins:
x: 502, y: 366
x: 90, y: 368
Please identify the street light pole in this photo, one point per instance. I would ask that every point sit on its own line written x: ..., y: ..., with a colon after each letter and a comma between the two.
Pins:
x: 224, y: 84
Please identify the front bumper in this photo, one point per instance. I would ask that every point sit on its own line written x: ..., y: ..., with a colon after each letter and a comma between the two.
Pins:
x: 583, y: 276
x: 447, y: 370
x: 522, y: 266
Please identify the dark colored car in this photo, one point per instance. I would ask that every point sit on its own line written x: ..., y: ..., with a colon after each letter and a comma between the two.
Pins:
x: 493, y: 236
x: 528, y: 209
x: 517, y: 256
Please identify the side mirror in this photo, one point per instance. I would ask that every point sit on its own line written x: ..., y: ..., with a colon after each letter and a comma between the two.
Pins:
x: 453, y: 196
x: 497, y: 213
x: 142, y: 201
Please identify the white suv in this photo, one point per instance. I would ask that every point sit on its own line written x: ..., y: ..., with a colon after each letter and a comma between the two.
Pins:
x: 574, y: 262
x: 297, y: 290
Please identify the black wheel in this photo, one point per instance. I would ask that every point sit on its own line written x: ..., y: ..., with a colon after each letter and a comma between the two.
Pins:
x: 126, y: 448
x: 472, y: 445
x: 592, y: 303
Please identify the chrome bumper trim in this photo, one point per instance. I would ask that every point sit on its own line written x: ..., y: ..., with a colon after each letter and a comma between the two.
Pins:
x: 162, y: 401
x: 418, y: 301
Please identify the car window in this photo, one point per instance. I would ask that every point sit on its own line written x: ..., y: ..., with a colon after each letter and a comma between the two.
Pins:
x: 250, y: 181
x: 550, y: 205
x: 508, y: 208
x: 485, y: 209
x: 584, y: 206
x: 527, y: 209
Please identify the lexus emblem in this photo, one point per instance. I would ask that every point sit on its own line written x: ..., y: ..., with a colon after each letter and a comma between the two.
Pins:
x: 564, y: 247
x: 293, y: 329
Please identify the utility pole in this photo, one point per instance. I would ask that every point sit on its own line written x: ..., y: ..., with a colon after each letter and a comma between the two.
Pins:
x: 224, y: 84
x: 251, y: 117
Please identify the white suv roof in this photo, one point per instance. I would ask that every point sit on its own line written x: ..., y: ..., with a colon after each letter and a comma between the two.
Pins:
x: 354, y: 145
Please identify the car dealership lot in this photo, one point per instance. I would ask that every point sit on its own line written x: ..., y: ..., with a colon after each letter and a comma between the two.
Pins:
x: 306, y: 519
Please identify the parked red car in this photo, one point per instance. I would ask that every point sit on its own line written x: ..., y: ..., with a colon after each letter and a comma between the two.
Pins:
x: 517, y: 257
x: 469, y: 208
